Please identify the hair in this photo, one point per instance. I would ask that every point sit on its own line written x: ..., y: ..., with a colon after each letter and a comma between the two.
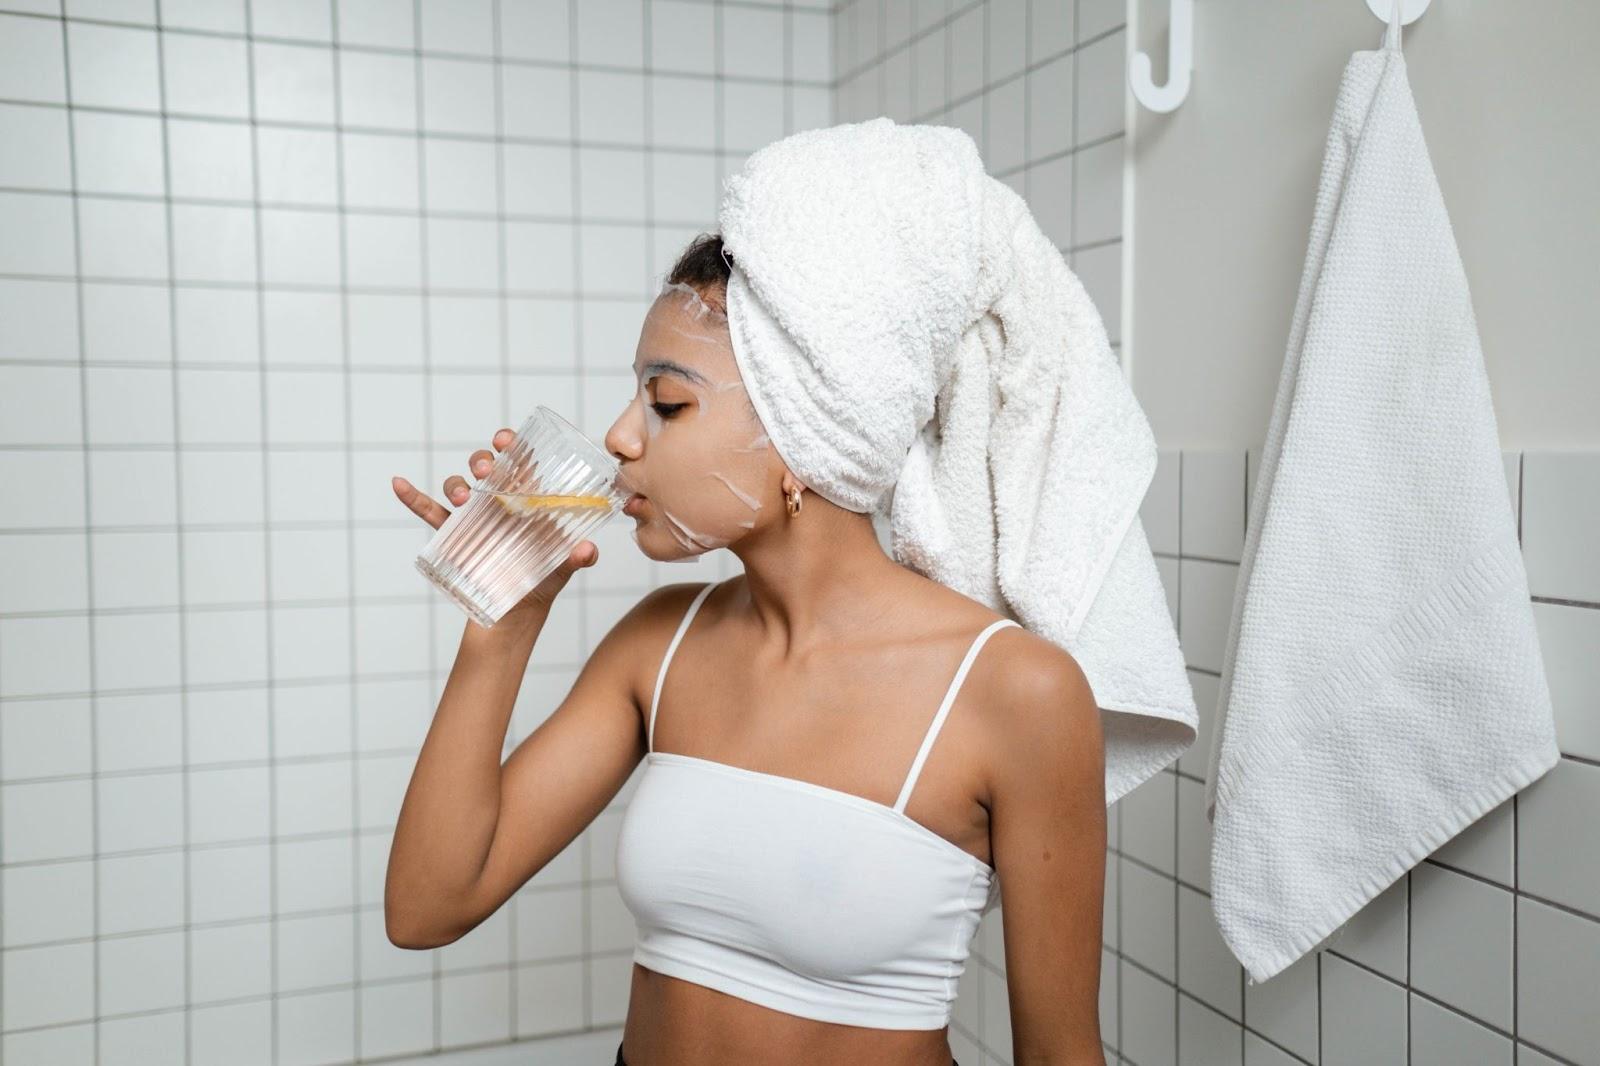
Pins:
x: 705, y: 266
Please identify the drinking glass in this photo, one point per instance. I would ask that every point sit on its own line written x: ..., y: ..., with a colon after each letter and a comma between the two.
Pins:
x: 549, y: 489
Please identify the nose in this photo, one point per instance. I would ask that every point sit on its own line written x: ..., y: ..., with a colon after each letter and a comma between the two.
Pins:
x: 624, y: 440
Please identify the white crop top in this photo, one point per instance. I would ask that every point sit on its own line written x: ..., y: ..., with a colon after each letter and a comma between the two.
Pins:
x: 795, y: 896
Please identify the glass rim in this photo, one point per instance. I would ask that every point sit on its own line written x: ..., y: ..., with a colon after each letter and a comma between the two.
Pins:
x: 580, y: 441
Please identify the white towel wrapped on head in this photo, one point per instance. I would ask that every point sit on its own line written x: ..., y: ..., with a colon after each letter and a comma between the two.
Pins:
x: 915, y: 344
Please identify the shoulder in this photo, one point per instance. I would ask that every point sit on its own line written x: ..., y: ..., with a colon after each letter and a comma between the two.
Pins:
x: 1040, y: 719
x: 637, y: 640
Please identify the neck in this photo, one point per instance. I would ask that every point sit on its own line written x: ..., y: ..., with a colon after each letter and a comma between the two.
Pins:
x: 814, y: 579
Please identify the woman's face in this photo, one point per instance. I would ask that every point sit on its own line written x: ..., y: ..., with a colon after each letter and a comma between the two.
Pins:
x: 689, y: 440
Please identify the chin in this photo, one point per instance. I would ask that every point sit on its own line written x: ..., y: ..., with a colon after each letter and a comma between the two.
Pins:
x: 661, y: 546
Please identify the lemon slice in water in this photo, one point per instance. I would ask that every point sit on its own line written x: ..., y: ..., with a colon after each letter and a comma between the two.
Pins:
x: 529, y: 504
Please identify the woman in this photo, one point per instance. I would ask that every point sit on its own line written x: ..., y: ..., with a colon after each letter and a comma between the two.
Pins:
x: 825, y: 663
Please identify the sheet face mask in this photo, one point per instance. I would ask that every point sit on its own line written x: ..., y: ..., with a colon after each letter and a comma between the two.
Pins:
x: 703, y: 457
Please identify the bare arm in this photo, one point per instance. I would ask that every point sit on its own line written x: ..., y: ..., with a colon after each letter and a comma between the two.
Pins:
x: 454, y: 858
x: 1048, y: 829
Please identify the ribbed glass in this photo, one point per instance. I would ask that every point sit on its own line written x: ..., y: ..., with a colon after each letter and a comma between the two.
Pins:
x: 551, y: 488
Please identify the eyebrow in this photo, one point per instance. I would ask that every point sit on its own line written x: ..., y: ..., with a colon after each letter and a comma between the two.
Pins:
x: 668, y: 366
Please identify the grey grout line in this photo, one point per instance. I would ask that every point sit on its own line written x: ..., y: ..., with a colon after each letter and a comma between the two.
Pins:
x: 332, y: 45
x: 345, y: 368
x: 88, y: 521
x: 513, y: 978
x: 266, y: 551
x: 429, y: 446
x: 575, y: 124
x: 182, y: 591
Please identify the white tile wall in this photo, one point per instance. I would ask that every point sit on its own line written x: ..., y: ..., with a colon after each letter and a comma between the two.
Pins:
x: 259, y: 256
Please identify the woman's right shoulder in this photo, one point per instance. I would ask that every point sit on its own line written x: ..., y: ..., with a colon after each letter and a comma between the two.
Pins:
x: 656, y: 615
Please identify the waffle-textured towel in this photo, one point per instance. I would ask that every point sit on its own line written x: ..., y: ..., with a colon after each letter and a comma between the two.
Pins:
x: 915, y: 344
x: 1382, y: 685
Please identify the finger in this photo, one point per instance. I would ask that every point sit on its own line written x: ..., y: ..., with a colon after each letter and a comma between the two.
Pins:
x: 418, y: 501
x: 502, y: 439
x: 480, y: 462
x: 456, y: 489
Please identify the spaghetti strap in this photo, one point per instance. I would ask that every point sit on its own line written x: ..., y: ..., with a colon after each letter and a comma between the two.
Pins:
x: 683, y: 626
x: 944, y: 709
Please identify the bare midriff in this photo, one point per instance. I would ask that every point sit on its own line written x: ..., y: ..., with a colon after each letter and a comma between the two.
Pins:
x: 672, y: 1022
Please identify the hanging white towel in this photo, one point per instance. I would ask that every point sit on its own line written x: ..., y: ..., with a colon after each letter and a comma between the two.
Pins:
x: 1382, y: 686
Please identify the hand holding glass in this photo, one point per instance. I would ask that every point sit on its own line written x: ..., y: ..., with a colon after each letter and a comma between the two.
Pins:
x: 548, y: 489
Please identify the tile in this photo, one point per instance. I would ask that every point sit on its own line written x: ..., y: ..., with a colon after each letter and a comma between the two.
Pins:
x: 1196, y: 758
x: 1568, y: 637
x: 46, y: 820
x: 1558, y: 969
x: 611, y: 32
x: 1284, y: 1009
x: 206, y: 75
x: 49, y: 985
x: 1560, y: 511
x: 113, y: 66
x: 293, y: 83
x: 1442, y: 1037
x: 314, y: 950
x: 1207, y: 969
x: 41, y: 404
x: 48, y: 901
x: 458, y: 96
x: 224, y: 16
x: 141, y: 973
x: 318, y: 1026
x: 141, y: 892
x: 1558, y: 846
x: 1472, y: 974
x: 39, y: 234
x: 31, y: 63
x: 1484, y: 847
x: 372, y: 23
x: 1149, y: 822
x: 44, y: 738
x: 306, y: 19
x: 49, y: 328
x: 752, y: 41
x: 1207, y: 1037
x: 1213, y: 504
x: 1375, y: 936
x: 377, y: 89
x: 231, y: 961
x: 1150, y: 1028
x: 1110, y: 1002
x: 397, y: 1019
x: 39, y: 153
x: 1205, y: 611
x: 217, y: 1033
x: 1149, y: 918
x: 1363, y: 1016
x: 1102, y: 84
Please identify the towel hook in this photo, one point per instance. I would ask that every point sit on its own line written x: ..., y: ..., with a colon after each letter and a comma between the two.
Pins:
x: 1180, y: 60
x: 1410, y: 10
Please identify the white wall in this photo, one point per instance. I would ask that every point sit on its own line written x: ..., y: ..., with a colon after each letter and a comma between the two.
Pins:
x: 1223, y: 189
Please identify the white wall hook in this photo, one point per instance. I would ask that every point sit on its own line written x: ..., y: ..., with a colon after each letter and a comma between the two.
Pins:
x: 1180, y: 60
x: 1410, y: 10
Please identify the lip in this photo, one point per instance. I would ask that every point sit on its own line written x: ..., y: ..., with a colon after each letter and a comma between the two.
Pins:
x: 632, y: 504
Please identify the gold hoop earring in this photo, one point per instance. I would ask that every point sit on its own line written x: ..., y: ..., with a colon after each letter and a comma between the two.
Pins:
x: 794, y: 501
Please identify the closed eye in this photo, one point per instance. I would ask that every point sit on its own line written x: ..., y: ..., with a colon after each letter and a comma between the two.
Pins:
x: 667, y: 410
